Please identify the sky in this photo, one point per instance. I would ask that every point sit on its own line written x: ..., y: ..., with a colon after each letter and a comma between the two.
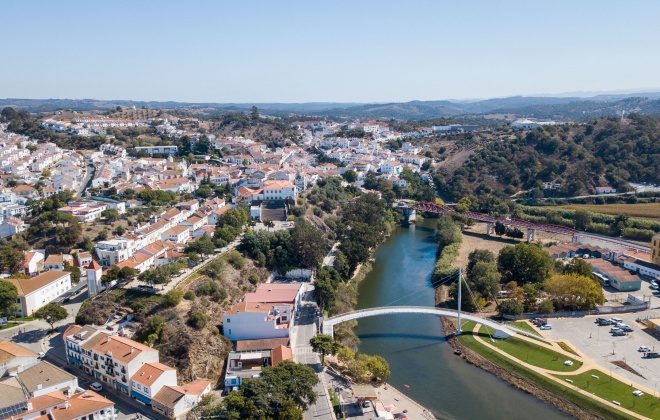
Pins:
x: 325, y: 51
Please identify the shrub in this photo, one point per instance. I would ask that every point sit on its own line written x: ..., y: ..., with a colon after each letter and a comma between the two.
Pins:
x: 189, y: 295
x: 511, y: 307
x: 254, y: 279
x: 236, y: 260
x: 197, y: 319
x: 173, y: 297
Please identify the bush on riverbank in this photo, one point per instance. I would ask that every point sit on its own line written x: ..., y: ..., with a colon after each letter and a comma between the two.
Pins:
x: 449, y: 238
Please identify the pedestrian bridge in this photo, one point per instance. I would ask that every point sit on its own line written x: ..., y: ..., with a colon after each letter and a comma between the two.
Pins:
x: 501, y: 331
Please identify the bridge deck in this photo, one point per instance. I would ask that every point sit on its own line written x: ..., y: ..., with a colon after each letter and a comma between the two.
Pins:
x: 501, y: 331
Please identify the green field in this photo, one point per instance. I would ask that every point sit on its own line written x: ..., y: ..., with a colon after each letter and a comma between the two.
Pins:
x: 531, y: 353
x: 613, y: 390
x: 467, y: 340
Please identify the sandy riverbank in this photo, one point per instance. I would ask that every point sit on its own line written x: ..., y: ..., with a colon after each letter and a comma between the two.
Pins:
x: 449, y: 327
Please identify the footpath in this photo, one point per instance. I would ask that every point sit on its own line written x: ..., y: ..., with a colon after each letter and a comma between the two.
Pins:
x: 587, y: 364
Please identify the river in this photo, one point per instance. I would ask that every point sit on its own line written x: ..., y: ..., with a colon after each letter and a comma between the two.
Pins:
x: 414, y: 345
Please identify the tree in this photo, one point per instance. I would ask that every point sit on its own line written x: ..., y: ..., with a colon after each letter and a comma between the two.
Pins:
x: 11, y: 259
x: 511, y: 307
x: 378, y: 367
x: 8, y: 296
x: 202, y: 246
x: 486, y: 278
x: 269, y: 224
x: 103, y: 234
x: 350, y: 175
x: 546, y: 307
x: 573, y: 292
x: 51, y: 313
x: 308, y: 244
x: 531, y: 294
x: 324, y: 344
x: 75, y: 272
x: 111, y: 215
x: 524, y: 263
x: 254, y: 113
x: 582, y: 219
x: 294, y: 381
x: 448, y: 231
x: 578, y: 266
x: 87, y: 244
x: 476, y: 256
x: 500, y: 229
x: 173, y: 297
x: 120, y: 230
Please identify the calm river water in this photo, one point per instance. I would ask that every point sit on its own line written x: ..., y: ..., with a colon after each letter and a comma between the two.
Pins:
x: 413, y: 344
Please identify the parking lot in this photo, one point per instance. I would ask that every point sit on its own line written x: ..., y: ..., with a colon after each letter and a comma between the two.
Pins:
x: 599, y: 345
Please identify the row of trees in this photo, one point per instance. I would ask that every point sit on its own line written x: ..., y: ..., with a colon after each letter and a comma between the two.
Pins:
x: 528, y: 274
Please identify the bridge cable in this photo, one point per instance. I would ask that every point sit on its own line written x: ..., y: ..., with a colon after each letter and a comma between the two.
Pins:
x: 439, y: 282
x: 476, y: 304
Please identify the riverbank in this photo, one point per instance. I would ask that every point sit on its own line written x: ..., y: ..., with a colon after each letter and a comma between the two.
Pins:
x: 523, y: 384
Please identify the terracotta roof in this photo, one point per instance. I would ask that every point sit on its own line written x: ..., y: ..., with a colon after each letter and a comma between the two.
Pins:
x: 168, y: 395
x: 281, y: 353
x: 248, y: 307
x: 9, y: 350
x: 262, y: 344
x: 274, y: 293
x: 23, y: 188
x: 149, y: 373
x: 176, y: 230
x: 120, y: 347
x: 79, y: 405
x: 94, y: 265
x: 55, y: 259
x: 27, y: 286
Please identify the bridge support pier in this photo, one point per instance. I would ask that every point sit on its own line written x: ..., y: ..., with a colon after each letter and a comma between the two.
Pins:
x: 489, y: 228
x: 412, y: 216
x: 531, y: 235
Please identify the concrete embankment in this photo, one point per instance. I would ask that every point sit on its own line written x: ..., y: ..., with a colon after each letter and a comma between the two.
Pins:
x: 449, y: 327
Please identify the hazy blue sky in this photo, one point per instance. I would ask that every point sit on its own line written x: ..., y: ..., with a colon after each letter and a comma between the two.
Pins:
x: 313, y: 51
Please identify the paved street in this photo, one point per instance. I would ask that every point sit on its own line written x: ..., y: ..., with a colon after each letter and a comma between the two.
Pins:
x: 303, y: 331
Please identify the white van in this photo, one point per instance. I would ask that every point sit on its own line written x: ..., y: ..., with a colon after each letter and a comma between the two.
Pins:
x: 96, y: 387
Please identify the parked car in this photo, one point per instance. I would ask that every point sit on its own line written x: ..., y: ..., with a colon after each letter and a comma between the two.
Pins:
x: 96, y: 387
x: 652, y: 355
x: 626, y: 328
x: 568, y: 363
x: 41, y: 355
x: 643, y: 349
x: 638, y: 393
x: 615, y: 329
x: 546, y: 327
x: 618, y: 333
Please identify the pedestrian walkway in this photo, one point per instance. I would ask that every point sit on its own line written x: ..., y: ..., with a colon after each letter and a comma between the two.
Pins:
x: 550, y: 374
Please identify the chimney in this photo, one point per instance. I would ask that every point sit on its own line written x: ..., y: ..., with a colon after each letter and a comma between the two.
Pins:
x: 107, y: 339
x: 29, y: 405
x: 39, y: 386
x: 132, y: 349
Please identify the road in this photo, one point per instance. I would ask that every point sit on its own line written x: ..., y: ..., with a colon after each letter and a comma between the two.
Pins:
x: 304, y: 329
x: 91, y: 169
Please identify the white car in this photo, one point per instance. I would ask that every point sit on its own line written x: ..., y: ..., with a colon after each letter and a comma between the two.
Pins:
x: 96, y: 386
x: 638, y: 393
x: 546, y: 327
x: 568, y: 363
x: 643, y: 349
x: 41, y: 355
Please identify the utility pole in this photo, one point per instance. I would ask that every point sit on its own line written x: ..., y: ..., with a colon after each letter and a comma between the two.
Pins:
x: 460, y: 298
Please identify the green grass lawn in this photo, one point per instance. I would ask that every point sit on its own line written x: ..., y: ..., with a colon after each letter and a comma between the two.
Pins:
x: 614, y: 390
x: 531, y: 353
x: 467, y: 340
x: 525, y: 326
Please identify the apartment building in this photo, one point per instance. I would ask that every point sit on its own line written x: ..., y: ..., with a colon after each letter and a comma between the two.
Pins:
x: 35, y: 292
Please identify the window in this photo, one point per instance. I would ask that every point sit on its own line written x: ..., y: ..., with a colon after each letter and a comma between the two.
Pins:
x: 228, y: 320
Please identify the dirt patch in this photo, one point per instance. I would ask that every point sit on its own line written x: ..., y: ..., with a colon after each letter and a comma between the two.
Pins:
x: 449, y: 326
x: 623, y: 365
x: 455, y: 161
x: 476, y: 238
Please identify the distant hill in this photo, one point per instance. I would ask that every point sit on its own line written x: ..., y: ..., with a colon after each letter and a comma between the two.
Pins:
x: 606, y: 151
x: 577, y: 108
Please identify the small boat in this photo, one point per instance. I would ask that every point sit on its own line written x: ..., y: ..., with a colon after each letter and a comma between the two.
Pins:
x: 458, y: 351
